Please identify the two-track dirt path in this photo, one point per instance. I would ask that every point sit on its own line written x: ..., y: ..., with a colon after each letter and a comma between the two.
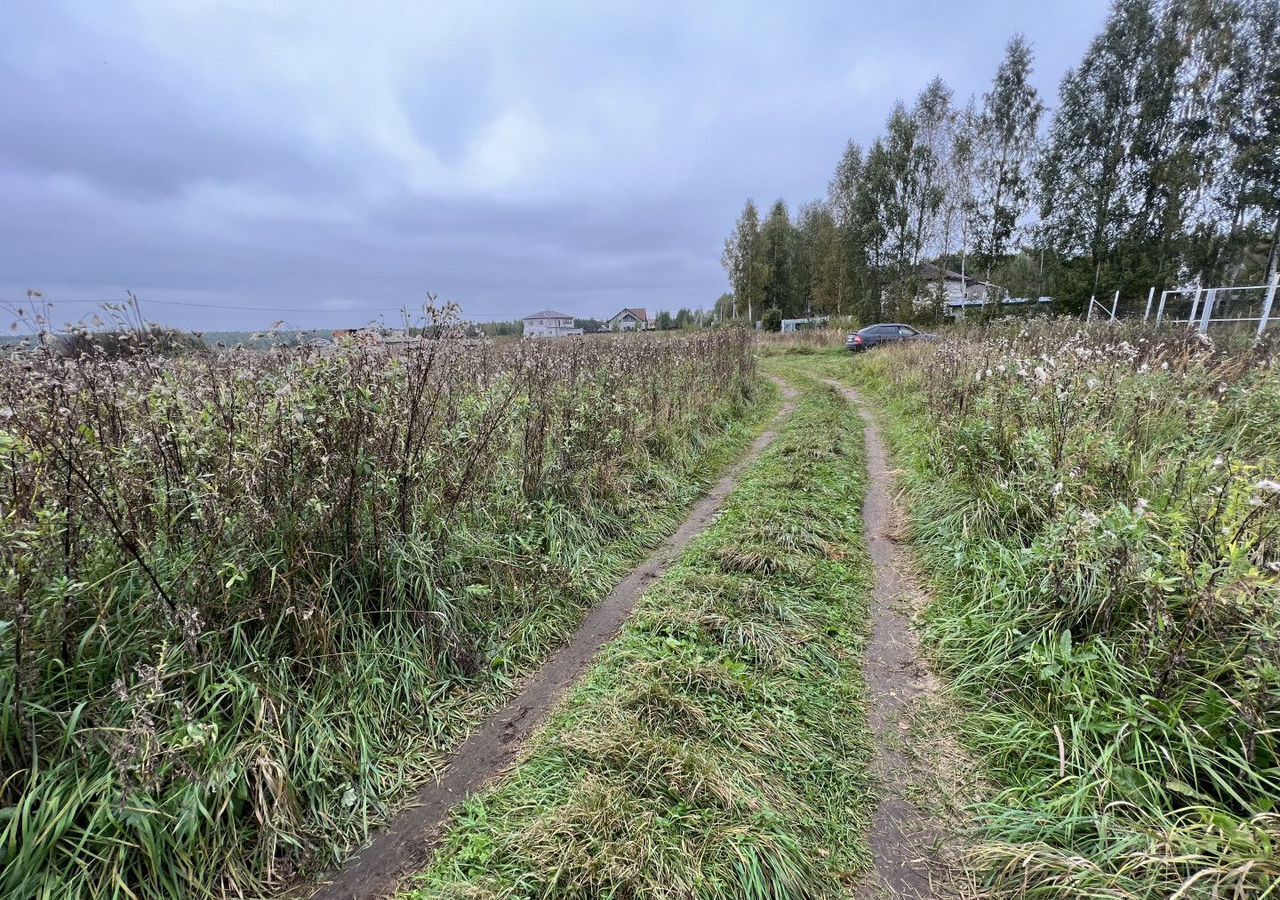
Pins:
x: 904, y: 838
x: 406, y: 845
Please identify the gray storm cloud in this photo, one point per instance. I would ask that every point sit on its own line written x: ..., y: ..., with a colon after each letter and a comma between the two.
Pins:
x: 342, y: 159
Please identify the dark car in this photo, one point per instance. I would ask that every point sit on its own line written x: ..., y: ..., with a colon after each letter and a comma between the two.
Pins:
x: 875, y: 335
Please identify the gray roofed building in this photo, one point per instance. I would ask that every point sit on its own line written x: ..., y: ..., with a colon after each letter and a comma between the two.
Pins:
x: 549, y: 323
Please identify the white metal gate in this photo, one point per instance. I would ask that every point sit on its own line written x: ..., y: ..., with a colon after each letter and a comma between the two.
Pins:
x: 1201, y: 307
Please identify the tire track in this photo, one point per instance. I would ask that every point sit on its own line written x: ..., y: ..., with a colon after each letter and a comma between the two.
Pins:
x: 904, y: 839
x: 407, y: 844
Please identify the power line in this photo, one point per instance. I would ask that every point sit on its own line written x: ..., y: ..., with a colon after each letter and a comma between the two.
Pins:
x: 285, y: 309
x: 293, y: 309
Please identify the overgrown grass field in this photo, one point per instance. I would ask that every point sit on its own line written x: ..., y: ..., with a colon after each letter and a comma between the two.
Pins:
x: 250, y: 598
x: 1100, y: 516
x: 720, y: 746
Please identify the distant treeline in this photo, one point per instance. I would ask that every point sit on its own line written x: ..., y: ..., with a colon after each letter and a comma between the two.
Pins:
x: 681, y: 318
x: 1159, y: 166
x: 498, y: 329
x: 118, y: 341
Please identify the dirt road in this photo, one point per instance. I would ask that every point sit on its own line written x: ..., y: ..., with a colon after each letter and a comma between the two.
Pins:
x: 904, y: 838
x: 406, y: 845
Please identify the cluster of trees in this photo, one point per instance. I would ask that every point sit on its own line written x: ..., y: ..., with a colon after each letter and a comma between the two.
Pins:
x: 664, y: 320
x: 681, y: 318
x: 496, y: 328
x: 1159, y: 166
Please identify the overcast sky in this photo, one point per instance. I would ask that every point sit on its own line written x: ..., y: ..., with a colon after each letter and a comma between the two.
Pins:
x: 325, y: 162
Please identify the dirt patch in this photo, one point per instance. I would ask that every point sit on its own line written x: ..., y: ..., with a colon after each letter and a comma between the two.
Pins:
x: 906, y: 840
x: 406, y: 845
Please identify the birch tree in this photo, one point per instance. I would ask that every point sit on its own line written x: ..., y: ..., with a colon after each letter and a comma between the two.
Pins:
x: 743, y: 261
x: 1005, y: 150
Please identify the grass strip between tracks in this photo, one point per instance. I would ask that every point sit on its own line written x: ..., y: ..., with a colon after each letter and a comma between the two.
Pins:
x: 719, y: 747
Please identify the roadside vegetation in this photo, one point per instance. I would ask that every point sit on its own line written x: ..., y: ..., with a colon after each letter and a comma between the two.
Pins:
x: 719, y: 748
x: 249, y: 598
x: 1099, y: 512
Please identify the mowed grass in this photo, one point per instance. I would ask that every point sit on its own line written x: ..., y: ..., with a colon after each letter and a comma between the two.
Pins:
x: 719, y: 748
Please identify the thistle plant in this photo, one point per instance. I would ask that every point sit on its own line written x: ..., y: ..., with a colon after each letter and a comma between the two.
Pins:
x: 250, y: 596
x: 1101, y: 511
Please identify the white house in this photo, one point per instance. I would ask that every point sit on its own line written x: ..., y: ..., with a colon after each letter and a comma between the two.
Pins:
x: 957, y: 288
x: 631, y: 319
x: 549, y: 323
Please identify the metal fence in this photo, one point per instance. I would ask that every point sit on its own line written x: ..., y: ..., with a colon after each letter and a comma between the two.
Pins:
x: 1199, y: 307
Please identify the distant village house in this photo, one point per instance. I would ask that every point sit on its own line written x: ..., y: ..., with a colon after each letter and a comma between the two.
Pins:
x: 958, y: 290
x: 960, y: 293
x: 631, y: 319
x: 549, y: 323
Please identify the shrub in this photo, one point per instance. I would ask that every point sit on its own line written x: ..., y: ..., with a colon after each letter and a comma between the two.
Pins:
x: 126, y: 342
x: 247, y: 597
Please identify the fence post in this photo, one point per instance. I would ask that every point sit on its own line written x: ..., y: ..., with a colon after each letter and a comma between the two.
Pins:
x: 1208, y: 310
x: 1151, y: 295
x: 1115, y: 304
x: 1088, y: 316
x: 1266, y: 304
x: 1195, y: 305
x: 1160, y: 312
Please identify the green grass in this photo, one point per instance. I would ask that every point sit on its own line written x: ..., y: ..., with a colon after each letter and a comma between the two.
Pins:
x: 719, y: 748
x: 229, y: 765
x: 1095, y: 516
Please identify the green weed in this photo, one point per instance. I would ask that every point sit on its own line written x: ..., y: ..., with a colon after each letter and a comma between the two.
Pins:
x: 249, y: 599
x: 1099, y: 514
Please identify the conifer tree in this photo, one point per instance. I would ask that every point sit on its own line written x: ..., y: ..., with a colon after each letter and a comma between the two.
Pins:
x: 817, y: 258
x: 851, y: 248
